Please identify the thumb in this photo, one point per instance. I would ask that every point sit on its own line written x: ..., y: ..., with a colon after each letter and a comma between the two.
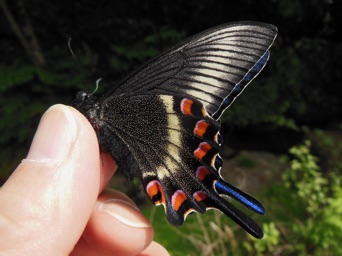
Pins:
x: 48, y: 199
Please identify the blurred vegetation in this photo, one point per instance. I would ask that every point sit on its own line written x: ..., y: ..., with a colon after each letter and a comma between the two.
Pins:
x: 297, y: 97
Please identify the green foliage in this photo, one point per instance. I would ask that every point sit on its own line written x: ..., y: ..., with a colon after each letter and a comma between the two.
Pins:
x: 316, y: 228
x: 267, y: 244
x: 320, y: 232
x: 304, y: 176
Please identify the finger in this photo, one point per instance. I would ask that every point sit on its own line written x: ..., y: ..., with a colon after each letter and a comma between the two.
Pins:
x: 107, y: 164
x: 153, y: 250
x: 116, y: 227
x: 53, y: 191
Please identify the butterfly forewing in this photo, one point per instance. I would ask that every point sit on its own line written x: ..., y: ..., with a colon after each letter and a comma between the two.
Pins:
x: 207, y: 66
x: 162, y: 122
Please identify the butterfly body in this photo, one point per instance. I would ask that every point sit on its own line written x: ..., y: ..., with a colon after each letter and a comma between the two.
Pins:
x: 161, y: 124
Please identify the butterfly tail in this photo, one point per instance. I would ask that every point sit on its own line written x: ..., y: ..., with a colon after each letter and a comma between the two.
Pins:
x: 224, y: 188
x: 236, y: 215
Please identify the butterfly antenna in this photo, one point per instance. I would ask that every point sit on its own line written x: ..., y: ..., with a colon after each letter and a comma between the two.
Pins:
x: 97, y: 86
x: 76, y: 60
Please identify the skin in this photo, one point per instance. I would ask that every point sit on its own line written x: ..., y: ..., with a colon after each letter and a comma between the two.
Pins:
x: 55, y: 202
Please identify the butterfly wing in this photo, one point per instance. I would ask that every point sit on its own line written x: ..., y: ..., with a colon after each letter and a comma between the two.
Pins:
x: 162, y: 122
x: 213, y: 67
x: 176, y: 146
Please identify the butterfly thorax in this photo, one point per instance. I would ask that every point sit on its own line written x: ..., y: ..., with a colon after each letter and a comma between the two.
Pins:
x: 109, y: 142
x: 87, y: 104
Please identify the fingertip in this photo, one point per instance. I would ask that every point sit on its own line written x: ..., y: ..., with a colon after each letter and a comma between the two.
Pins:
x: 57, y: 185
x: 108, y: 168
x: 118, y: 226
x: 57, y: 125
x: 107, y: 164
x: 154, y: 249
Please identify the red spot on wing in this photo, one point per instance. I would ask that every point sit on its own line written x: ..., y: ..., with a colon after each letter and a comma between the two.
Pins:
x: 199, y: 196
x: 201, y: 128
x: 178, y: 198
x: 156, y: 192
x: 202, y: 172
x: 202, y: 150
x: 186, y: 105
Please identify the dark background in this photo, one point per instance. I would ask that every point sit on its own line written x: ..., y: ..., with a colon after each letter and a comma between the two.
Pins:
x: 298, y: 93
x: 300, y: 85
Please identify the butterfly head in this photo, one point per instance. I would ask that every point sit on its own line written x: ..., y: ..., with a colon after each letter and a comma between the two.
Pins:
x: 84, y: 102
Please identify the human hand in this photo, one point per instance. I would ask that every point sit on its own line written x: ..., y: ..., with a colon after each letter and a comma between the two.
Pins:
x: 53, y: 202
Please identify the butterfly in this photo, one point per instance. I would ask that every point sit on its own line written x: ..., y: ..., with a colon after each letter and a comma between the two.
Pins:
x: 162, y: 122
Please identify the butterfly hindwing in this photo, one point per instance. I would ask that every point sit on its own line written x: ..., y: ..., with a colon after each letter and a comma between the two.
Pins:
x: 175, y: 144
x: 161, y: 124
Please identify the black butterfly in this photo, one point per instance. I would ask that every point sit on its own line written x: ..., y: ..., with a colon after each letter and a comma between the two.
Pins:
x: 162, y: 122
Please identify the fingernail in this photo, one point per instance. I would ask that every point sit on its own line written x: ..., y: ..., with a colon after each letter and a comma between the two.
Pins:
x: 55, y: 135
x: 125, y: 213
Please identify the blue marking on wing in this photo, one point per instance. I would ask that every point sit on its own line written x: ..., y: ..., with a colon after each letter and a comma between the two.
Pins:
x: 237, y: 88
x: 253, y: 71
x: 227, y: 101
x: 261, y: 63
x: 240, y: 86
x: 247, y: 77
x: 250, y: 202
